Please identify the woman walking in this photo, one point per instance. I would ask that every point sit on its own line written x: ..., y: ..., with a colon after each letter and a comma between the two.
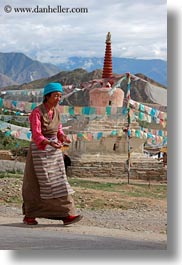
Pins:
x: 46, y: 191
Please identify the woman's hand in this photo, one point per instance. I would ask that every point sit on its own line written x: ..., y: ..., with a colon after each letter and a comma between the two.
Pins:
x: 66, y: 139
x: 56, y: 145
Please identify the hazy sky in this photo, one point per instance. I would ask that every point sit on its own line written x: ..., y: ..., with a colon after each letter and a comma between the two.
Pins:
x: 138, y: 29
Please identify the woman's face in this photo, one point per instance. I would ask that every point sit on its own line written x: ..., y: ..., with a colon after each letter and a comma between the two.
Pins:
x: 54, y: 98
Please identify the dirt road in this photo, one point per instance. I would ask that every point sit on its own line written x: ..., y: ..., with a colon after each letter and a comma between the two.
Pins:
x: 146, y: 225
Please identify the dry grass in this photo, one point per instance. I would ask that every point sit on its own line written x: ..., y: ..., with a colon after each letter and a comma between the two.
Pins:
x: 96, y: 193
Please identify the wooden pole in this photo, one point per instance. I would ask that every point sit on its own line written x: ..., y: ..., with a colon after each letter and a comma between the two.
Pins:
x: 128, y: 139
x: 128, y: 126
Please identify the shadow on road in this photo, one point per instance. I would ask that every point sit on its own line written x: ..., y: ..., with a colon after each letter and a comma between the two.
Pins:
x: 21, y: 225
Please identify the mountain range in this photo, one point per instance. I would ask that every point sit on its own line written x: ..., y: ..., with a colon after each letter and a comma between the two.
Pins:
x: 143, y: 89
x: 155, y: 69
x: 17, y: 69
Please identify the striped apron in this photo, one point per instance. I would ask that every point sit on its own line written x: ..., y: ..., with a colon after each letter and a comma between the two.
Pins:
x: 50, y: 172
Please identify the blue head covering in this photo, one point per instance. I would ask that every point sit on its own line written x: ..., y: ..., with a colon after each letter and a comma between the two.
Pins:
x: 53, y: 87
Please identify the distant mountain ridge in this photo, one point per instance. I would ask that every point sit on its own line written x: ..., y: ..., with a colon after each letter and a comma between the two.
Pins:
x: 6, y: 81
x: 17, y: 68
x: 155, y: 69
x: 75, y: 78
x: 143, y: 89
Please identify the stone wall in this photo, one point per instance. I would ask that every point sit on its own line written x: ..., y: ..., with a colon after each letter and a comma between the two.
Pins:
x: 99, y: 165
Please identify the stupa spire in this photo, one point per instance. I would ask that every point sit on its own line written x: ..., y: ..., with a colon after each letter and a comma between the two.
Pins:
x: 107, y: 68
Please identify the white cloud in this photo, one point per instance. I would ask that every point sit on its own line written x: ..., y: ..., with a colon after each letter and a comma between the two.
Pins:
x: 138, y: 29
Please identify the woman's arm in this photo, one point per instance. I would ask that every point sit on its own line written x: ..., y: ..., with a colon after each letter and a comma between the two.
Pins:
x: 37, y: 136
x: 62, y: 137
